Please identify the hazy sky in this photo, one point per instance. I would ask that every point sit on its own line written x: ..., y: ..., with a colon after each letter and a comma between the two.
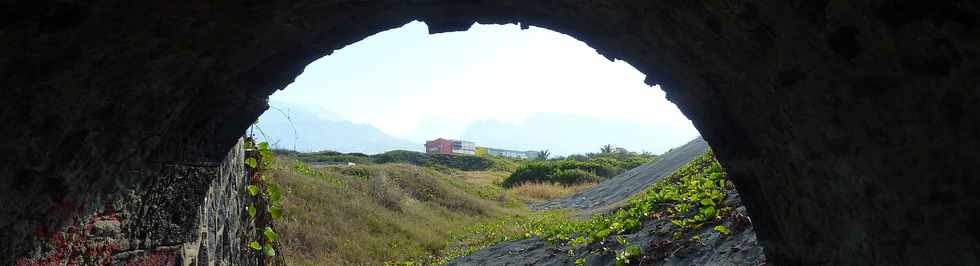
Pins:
x: 418, y: 86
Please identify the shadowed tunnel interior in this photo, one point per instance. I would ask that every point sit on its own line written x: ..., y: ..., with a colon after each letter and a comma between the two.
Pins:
x: 849, y: 127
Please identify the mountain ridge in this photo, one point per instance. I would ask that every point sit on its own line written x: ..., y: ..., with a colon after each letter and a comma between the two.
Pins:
x: 295, y: 127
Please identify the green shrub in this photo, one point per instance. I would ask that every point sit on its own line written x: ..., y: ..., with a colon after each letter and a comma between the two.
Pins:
x: 358, y: 171
x: 442, y: 162
x: 559, y: 172
x: 610, y: 162
x: 452, y: 161
x: 605, y: 166
x: 332, y: 156
x: 574, y: 176
x: 461, y: 162
x: 505, y: 164
x: 531, y: 172
x: 634, y: 162
x: 691, y: 197
x: 401, y: 156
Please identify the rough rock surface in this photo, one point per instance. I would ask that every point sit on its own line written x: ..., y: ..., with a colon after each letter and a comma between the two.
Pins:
x: 223, y: 226
x: 198, y: 219
x: 630, y: 182
x: 849, y: 127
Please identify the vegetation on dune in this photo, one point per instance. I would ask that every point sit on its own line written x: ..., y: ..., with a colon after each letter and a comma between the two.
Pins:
x: 442, y: 162
x: 577, y: 169
x: 328, y: 156
x: 691, y: 198
x: 566, y: 172
x: 377, y: 213
x: 402, y: 214
x: 452, y: 161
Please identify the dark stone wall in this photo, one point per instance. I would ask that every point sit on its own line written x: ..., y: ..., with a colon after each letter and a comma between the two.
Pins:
x: 850, y: 127
x: 188, y: 215
x: 223, y: 228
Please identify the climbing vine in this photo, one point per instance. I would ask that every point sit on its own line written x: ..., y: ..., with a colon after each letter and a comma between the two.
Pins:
x: 691, y: 197
x: 264, y: 207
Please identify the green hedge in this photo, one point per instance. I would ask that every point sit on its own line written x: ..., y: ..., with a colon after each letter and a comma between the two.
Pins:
x: 574, y: 176
x: 561, y: 171
x: 332, y: 156
x: 452, y: 161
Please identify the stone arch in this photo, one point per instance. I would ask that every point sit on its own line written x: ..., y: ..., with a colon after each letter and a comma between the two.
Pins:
x: 848, y: 126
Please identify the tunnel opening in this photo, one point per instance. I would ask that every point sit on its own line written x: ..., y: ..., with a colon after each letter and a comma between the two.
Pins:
x: 122, y: 113
x: 340, y: 127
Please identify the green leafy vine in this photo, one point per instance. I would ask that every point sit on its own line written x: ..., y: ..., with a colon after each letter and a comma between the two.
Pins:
x: 264, y: 208
x: 691, y: 197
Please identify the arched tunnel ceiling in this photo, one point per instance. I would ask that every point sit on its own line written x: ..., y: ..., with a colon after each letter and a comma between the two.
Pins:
x: 850, y: 127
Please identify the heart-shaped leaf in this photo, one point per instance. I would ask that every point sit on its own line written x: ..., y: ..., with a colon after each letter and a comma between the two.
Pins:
x: 707, y: 202
x: 263, y: 145
x: 273, y: 192
x: 251, y: 211
x: 275, y: 212
x: 270, y: 234
x: 269, y: 251
x: 255, y: 245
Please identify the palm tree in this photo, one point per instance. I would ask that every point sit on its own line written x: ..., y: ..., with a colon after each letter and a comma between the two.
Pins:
x: 543, y: 155
x: 606, y: 149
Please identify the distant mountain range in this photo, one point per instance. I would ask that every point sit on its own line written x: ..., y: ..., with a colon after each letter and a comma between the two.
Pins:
x: 317, y: 129
x: 565, y: 134
x: 307, y: 130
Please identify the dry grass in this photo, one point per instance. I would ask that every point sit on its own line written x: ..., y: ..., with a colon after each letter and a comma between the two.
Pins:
x: 538, y: 192
x: 372, y: 214
x: 483, y: 178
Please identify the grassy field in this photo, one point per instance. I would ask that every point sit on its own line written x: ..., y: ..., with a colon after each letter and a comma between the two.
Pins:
x: 373, y: 214
x: 425, y: 213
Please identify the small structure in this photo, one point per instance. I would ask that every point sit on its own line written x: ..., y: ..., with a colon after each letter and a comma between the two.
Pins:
x: 511, y: 153
x: 482, y: 151
x: 450, y: 146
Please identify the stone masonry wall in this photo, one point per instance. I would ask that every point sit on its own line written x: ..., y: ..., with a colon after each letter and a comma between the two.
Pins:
x: 193, y: 215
